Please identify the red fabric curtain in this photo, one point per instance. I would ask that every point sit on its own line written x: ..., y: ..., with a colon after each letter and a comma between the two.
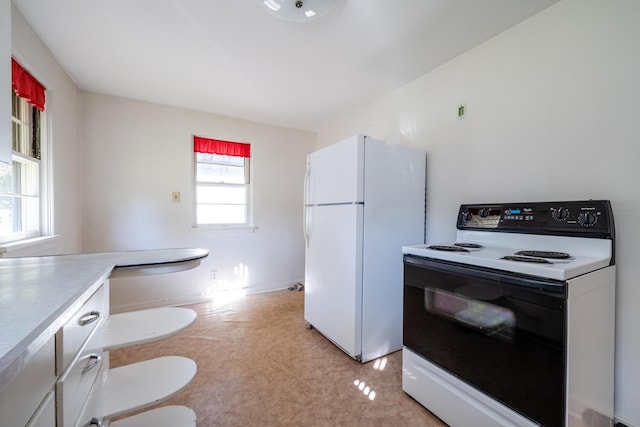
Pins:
x: 223, y: 148
x: 26, y: 86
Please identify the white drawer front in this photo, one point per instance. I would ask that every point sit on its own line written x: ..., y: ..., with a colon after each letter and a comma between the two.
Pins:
x: 71, y: 336
x: 73, y: 387
x: 46, y: 414
x: 20, y: 398
x: 92, y: 411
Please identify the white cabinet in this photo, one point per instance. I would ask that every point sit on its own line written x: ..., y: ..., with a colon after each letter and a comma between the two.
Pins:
x: 53, y: 387
x: 66, y: 383
x: 56, y: 371
x: 79, y: 358
x: 74, y: 386
x: 45, y: 416
x: 90, y: 415
x: 72, y: 336
x: 20, y: 400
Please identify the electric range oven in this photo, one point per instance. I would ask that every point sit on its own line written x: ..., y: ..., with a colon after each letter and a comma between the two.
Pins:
x: 513, y: 324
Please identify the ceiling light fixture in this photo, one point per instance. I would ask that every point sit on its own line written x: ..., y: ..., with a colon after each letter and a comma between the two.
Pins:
x: 298, y: 10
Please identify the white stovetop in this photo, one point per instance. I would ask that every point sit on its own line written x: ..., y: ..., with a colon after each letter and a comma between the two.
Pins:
x: 586, y: 254
x: 37, y: 294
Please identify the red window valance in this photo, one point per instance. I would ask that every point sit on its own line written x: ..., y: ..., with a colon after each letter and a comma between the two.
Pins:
x: 223, y: 148
x: 26, y: 86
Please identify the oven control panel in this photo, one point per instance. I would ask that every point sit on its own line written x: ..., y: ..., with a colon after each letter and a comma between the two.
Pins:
x: 589, y: 218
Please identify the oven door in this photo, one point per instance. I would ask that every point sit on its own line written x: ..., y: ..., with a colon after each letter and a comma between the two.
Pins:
x: 502, y: 334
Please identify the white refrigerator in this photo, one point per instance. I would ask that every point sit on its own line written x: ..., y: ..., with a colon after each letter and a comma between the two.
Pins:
x: 364, y: 200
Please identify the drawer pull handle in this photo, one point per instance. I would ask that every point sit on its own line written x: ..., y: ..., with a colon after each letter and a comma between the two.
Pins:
x: 95, y: 422
x: 96, y: 360
x: 90, y: 317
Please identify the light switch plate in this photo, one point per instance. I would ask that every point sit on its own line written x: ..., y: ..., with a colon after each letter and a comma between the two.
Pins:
x: 462, y: 110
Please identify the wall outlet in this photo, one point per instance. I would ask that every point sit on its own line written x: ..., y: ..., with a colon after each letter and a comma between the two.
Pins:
x: 175, y: 197
x: 213, y: 274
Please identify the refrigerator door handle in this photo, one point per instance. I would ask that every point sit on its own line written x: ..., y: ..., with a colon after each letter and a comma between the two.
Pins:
x: 305, y: 228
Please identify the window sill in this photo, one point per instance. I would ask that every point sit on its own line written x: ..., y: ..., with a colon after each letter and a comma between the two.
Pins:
x: 224, y: 229
x: 21, y: 247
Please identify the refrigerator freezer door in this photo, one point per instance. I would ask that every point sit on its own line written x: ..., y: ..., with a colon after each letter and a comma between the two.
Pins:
x: 335, y: 173
x: 333, y: 274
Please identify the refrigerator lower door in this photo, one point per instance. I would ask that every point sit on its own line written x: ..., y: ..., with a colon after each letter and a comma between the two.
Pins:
x: 333, y: 274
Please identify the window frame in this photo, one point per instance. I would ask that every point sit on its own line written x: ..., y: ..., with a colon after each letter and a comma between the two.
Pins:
x: 248, y: 185
x: 43, y: 172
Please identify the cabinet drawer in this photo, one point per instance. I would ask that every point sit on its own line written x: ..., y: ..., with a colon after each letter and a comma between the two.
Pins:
x: 73, y: 334
x: 92, y: 411
x: 46, y: 414
x: 73, y: 387
x: 22, y: 396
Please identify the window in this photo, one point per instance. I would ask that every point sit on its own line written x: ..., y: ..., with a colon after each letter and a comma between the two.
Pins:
x: 222, y: 178
x: 20, y: 182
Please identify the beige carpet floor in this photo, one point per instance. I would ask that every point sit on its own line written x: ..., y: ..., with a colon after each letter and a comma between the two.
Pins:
x: 259, y: 365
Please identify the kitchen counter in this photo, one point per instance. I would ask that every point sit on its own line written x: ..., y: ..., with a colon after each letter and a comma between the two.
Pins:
x: 40, y: 294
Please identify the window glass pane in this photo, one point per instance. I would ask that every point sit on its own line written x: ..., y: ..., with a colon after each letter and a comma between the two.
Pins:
x: 6, y: 215
x: 23, y: 116
x: 17, y: 136
x: 18, y: 215
x: 19, y: 107
x: 26, y: 179
x: 28, y: 214
x: 14, y: 104
x: 221, y: 214
x: 34, y: 147
x: 208, y: 172
x: 216, y: 158
x: 221, y: 195
x: 6, y: 179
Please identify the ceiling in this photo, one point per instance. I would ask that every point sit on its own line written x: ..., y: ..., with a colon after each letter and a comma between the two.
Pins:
x: 231, y: 57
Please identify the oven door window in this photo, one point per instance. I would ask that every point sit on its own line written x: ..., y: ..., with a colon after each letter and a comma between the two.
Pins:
x: 502, y: 334
x: 489, y: 319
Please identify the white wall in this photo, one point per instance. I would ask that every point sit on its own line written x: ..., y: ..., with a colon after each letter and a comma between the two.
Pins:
x: 62, y: 130
x: 135, y: 154
x: 5, y: 76
x: 552, y: 114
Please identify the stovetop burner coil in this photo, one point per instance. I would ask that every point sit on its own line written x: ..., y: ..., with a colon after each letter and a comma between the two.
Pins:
x: 544, y: 254
x: 448, y: 248
x: 530, y: 259
x: 468, y: 245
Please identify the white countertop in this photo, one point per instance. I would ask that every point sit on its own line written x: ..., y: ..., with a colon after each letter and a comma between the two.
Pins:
x: 39, y: 294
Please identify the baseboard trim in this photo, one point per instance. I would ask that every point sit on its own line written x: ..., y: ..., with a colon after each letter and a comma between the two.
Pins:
x: 165, y: 302
x: 280, y: 287
x: 188, y: 299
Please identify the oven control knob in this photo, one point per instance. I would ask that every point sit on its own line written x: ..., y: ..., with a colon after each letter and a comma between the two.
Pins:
x: 587, y: 219
x: 466, y: 216
x: 483, y: 213
x: 560, y: 214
